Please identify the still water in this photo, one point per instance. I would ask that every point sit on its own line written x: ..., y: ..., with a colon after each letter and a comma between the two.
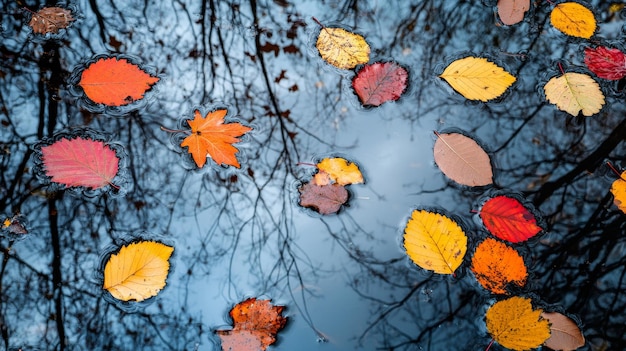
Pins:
x: 345, y: 279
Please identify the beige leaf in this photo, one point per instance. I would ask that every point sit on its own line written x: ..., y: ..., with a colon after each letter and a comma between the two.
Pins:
x: 574, y: 93
x: 461, y: 159
x: 512, y: 11
x: 565, y: 334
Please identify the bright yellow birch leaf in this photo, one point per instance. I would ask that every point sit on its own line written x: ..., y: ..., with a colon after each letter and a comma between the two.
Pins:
x: 341, y: 171
x: 138, y: 271
x: 434, y: 242
x: 618, y: 189
x: 573, y: 19
x: 515, y: 325
x: 477, y: 79
x: 574, y: 93
x: 342, y: 49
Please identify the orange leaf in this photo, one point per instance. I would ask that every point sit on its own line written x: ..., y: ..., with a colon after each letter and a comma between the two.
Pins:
x: 210, y: 136
x: 495, y: 265
x: 514, y: 324
x: 255, y: 325
x: 115, y: 82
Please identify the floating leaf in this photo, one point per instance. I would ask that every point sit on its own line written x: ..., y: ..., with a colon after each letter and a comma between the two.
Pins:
x: 508, y: 219
x: 618, y: 189
x: 574, y: 93
x: 325, y: 199
x: 573, y: 19
x: 380, y: 82
x: 461, y: 159
x: 495, y: 265
x: 477, y: 79
x: 138, y: 271
x: 512, y: 11
x: 342, y: 49
x: 340, y: 170
x: 210, y: 136
x: 115, y: 81
x: 255, y: 325
x: 515, y: 325
x: 434, y: 242
x: 80, y: 162
x: 14, y: 225
x: 565, y: 334
x: 50, y: 20
x: 606, y: 63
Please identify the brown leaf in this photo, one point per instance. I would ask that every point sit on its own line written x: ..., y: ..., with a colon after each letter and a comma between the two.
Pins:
x: 325, y: 199
x: 50, y: 20
x: 461, y: 159
x: 565, y: 335
x: 512, y: 11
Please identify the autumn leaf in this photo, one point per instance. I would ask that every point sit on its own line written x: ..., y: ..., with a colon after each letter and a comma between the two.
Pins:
x: 512, y: 11
x: 80, y: 162
x: 495, y: 265
x: 573, y: 19
x: 380, y: 82
x: 515, y: 325
x: 434, y: 242
x: 210, y: 136
x: 618, y: 189
x: 255, y: 325
x: 606, y: 63
x: 340, y: 171
x: 50, y: 20
x: 138, y: 271
x: 477, y: 79
x: 508, y: 219
x: 325, y: 199
x: 575, y: 93
x: 115, y: 81
x: 341, y: 48
x: 14, y: 226
x: 461, y: 159
x: 565, y: 334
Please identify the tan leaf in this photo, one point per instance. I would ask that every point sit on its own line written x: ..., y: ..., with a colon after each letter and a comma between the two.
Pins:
x: 574, y: 93
x: 565, y: 334
x: 461, y: 159
x: 50, y: 20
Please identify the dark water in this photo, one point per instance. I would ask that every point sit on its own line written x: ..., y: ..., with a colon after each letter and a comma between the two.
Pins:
x: 344, y: 279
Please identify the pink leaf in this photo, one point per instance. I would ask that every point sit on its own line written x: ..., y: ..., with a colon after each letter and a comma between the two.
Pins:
x: 325, y: 199
x: 380, y: 82
x: 512, y: 11
x: 80, y: 162
x: 606, y: 63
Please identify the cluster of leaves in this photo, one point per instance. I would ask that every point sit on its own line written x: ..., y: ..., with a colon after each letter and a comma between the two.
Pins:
x: 326, y: 192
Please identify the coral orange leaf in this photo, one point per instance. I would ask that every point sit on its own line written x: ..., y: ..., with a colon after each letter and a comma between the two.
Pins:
x: 210, y: 136
x: 508, y: 219
x: 495, y: 265
x: 255, y: 325
x: 114, y: 81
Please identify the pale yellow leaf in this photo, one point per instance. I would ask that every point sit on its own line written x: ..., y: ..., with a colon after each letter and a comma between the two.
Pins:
x: 574, y: 93
x: 565, y: 334
x: 477, y: 79
x: 138, y: 271
x: 434, y: 242
x: 515, y: 325
x: 573, y: 19
x: 341, y: 48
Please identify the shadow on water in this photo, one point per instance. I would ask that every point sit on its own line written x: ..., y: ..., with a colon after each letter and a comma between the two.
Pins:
x: 238, y: 233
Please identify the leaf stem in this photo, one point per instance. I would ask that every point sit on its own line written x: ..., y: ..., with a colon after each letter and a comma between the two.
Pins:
x: 318, y: 22
x: 619, y: 175
x: 489, y: 346
x: 305, y: 164
x: 173, y: 130
x: 560, y: 67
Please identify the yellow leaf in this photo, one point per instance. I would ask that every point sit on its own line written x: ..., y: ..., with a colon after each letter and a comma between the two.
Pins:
x: 515, y: 325
x: 618, y: 189
x: 6, y: 223
x: 138, y: 271
x: 573, y: 19
x: 477, y: 79
x: 341, y: 171
x: 575, y: 93
x: 341, y: 48
x: 434, y: 242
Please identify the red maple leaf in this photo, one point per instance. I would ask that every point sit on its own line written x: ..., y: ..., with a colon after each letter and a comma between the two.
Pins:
x: 80, y: 162
x: 606, y: 63
x: 380, y: 82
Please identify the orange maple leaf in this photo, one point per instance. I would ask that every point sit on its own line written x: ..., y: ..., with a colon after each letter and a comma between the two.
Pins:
x: 210, y: 136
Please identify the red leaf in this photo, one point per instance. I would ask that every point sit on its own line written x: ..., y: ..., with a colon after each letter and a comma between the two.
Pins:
x: 606, y: 63
x: 80, y: 162
x: 380, y: 82
x: 325, y: 199
x: 508, y: 219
